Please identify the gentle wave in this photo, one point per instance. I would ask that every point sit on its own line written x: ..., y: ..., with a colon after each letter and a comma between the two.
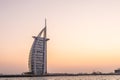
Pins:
x: 98, y: 77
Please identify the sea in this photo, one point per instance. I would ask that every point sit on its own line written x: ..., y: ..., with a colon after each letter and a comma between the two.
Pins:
x: 90, y: 77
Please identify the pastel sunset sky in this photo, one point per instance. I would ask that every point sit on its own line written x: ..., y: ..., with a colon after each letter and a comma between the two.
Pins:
x: 84, y: 34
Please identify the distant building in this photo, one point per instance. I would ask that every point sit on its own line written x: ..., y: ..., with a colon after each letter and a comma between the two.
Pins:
x: 38, y: 53
x: 117, y: 71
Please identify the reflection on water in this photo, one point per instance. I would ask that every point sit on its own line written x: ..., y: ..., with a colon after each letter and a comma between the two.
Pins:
x: 100, y: 77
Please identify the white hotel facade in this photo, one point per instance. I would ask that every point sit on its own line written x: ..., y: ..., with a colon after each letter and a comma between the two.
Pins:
x: 38, y: 53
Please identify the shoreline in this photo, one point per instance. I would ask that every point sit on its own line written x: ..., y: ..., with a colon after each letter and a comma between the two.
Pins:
x: 50, y: 75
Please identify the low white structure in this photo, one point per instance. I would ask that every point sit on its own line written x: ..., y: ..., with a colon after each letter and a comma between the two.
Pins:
x: 38, y: 53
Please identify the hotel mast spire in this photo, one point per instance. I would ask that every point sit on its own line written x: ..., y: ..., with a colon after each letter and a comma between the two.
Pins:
x: 45, y: 32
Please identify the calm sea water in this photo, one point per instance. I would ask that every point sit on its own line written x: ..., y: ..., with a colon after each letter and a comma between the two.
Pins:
x: 100, y: 77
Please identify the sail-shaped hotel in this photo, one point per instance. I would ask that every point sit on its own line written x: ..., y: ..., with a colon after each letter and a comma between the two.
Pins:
x: 38, y: 53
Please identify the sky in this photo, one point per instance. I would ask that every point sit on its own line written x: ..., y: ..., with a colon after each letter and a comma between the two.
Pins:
x: 84, y: 34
